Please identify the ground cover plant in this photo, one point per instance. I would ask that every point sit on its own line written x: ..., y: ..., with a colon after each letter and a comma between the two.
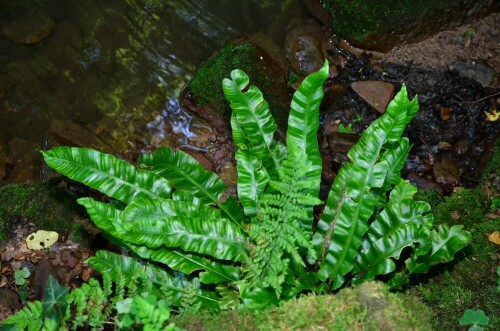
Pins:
x: 201, y: 250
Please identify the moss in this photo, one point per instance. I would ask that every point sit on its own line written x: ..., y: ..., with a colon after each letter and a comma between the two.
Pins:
x: 206, y: 82
x: 367, y: 307
x: 50, y: 208
x: 470, y: 281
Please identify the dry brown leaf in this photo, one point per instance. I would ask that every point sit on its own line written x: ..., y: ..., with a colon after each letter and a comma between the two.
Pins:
x: 494, y: 237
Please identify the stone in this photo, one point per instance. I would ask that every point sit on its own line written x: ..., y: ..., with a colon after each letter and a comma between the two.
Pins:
x: 342, y: 142
x: 261, y: 58
x: 478, y: 70
x: 380, y: 25
x: 305, y: 47
x: 29, y: 28
x: 376, y: 94
x: 69, y: 133
x: 446, y: 172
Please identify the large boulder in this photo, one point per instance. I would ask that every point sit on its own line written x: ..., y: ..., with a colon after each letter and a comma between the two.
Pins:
x: 260, y: 58
x: 380, y: 25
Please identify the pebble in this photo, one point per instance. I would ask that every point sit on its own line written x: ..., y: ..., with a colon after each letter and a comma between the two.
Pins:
x: 376, y: 94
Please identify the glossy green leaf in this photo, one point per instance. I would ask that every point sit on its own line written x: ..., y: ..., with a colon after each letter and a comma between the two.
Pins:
x: 214, y: 237
x: 357, y: 190
x: 104, y: 215
x: 303, y: 123
x: 396, y: 159
x: 255, y: 298
x: 106, y: 173
x: 255, y: 119
x: 252, y: 180
x: 187, y: 174
x: 377, y: 258
x: 212, y: 271
x: 144, y: 209
x: 445, y: 243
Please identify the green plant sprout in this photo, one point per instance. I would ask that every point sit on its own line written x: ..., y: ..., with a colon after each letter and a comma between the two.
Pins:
x: 476, y: 318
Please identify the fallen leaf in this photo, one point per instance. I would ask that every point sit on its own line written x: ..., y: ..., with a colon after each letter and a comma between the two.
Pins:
x: 492, y: 116
x: 41, y: 239
x: 494, y: 237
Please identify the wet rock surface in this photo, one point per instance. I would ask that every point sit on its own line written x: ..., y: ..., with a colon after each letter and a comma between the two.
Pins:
x: 305, y: 47
x: 381, y: 25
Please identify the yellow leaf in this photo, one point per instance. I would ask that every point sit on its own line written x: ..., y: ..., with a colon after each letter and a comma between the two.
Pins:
x: 41, y: 239
x: 493, y: 115
x: 494, y: 237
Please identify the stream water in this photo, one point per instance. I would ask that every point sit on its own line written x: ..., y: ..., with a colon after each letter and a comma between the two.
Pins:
x: 107, y: 74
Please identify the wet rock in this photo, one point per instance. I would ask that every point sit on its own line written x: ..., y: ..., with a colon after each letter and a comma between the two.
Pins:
x: 446, y: 172
x: 29, y: 28
x: 69, y: 133
x: 205, y: 161
x: 24, y: 160
x: 261, y: 58
x: 381, y: 25
x: 342, y: 142
x: 423, y: 183
x: 229, y: 175
x: 333, y: 96
x: 479, y: 70
x: 305, y: 47
x: 376, y: 94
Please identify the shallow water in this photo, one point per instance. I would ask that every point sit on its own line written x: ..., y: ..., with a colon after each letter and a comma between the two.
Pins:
x: 109, y: 73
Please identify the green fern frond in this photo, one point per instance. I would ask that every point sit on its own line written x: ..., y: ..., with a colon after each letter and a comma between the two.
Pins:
x: 277, y: 230
x: 29, y: 317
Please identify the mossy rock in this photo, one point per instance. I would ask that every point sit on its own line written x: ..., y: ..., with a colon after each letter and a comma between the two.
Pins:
x: 381, y: 25
x: 264, y: 63
x: 369, y: 306
x: 48, y: 207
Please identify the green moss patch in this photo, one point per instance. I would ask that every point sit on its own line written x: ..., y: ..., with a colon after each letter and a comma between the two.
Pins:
x: 470, y: 282
x: 206, y: 83
x: 50, y: 208
x: 367, y: 307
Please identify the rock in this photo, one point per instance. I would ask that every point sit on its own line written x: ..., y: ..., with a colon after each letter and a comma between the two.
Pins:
x: 69, y: 133
x: 342, y: 142
x: 305, y: 47
x: 261, y: 58
x: 376, y: 94
x: 229, y: 175
x: 200, y: 158
x: 446, y: 172
x: 333, y: 95
x: 478, y: 70
x: 381, y: 25
x: 29, y: 28
x: 424, y: 183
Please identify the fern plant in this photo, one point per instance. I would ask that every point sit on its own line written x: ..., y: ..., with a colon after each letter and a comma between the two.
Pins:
x: 91, y: 306
x: 185, y: 240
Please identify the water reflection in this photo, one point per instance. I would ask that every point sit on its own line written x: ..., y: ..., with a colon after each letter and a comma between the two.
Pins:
x: 108, y: 67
